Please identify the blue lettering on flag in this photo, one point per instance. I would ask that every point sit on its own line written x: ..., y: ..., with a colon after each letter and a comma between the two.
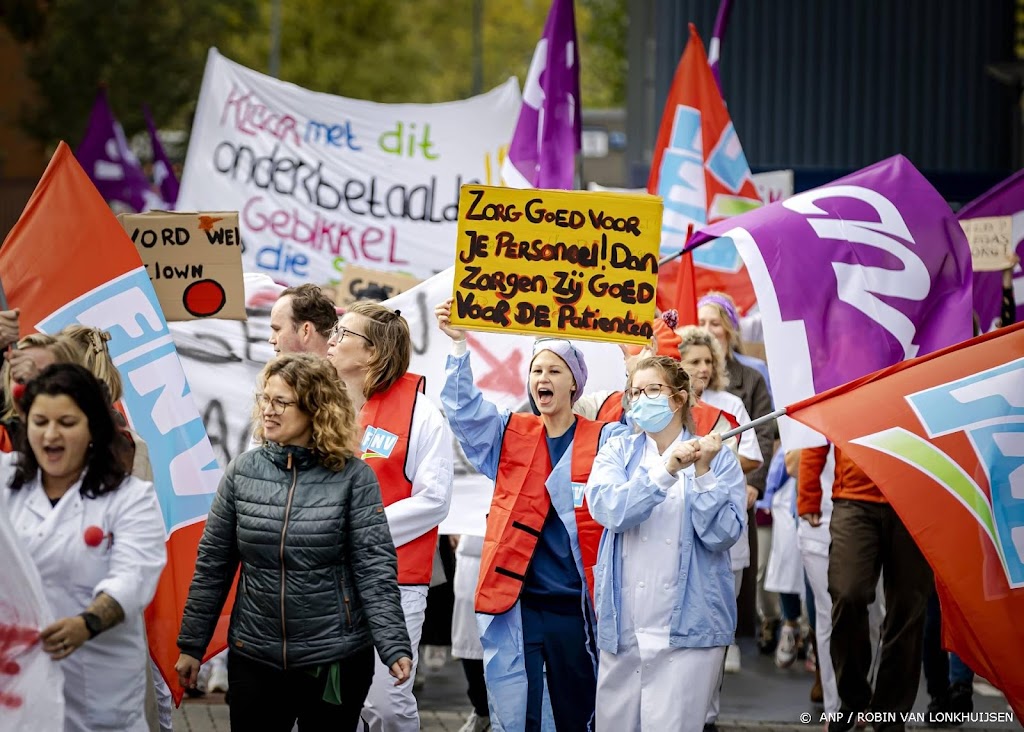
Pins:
x: 157, y: 397
x: 727, y: 161
x: 989, y: 407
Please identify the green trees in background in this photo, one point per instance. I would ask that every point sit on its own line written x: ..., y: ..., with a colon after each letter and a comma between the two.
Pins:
x: 154, y: 51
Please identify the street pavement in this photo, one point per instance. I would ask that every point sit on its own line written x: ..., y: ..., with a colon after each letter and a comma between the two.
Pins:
x: 761, y: 698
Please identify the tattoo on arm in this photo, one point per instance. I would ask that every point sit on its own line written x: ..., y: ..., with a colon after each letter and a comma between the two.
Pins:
x: 108, y: 610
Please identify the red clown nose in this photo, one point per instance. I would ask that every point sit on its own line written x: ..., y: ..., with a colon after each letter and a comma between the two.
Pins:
x: 94, y: 536
x: 17, y: 390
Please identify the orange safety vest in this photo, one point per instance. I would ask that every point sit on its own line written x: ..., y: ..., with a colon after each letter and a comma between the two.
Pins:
x: 386, y: 421
x: 520, y: 506
x: 611, y: 409
x: 705, y: 417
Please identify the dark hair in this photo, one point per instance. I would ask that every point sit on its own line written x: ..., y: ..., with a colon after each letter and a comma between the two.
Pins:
x: 104, y: 467
x: 309, y: 303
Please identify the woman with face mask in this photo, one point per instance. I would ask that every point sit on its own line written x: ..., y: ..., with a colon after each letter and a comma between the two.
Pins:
x: 672, y: 505
x: 534, y: 596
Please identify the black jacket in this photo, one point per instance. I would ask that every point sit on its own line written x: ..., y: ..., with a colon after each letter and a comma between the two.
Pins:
x: 319, y: 574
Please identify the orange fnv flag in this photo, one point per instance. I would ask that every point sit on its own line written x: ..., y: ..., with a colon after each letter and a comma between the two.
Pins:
x: 68, y: 260
x: 942, y: 436
x: 700, y: 171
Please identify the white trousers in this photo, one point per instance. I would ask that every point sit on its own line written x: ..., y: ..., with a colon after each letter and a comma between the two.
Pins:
x: 816, y: 566
x: 391, y: 708
x: 669, y: 689
x: 714, y: 706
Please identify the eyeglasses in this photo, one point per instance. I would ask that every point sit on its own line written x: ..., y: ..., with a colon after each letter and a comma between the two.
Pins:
x: 339, y: 333
x: 277, y: 405
x: 651, y: 391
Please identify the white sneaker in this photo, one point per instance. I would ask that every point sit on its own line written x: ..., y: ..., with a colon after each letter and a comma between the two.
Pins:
x: 218, y: 679
x: 785, y: 652
x: 732, y: 660
x: 476, y: 723
x: 434, y: 657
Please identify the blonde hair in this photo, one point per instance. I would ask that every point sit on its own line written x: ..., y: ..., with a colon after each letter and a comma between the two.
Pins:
x: 693, y: 335
x: 732, y: 334
x: 321, y: 395
x: 96, y: 356
x: 63, y: 350
x: 388, y: 333
x: 676, y: 379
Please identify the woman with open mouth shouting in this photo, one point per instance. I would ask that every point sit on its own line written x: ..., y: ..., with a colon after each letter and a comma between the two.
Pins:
x: 534, y: 599
x: 97, y: 538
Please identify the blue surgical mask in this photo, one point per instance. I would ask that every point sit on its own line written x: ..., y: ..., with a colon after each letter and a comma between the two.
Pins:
x: 651, y: 415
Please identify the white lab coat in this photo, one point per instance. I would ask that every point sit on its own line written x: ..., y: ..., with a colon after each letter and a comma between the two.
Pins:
x: 648, y: 685
x: 104, y: 680
x: 785, y: 572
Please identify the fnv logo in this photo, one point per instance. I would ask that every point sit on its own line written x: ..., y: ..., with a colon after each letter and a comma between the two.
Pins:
x: 377, y: 443
x: 989, y: 408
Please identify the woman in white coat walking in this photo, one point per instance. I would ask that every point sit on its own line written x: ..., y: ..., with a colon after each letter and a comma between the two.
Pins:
x: 672, y: 505
x: 97, y: 538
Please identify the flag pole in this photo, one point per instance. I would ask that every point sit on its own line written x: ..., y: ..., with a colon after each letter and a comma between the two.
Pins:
x: 754, y: 423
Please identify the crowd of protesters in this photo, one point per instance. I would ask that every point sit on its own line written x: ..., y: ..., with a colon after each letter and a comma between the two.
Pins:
x: 603, y: 595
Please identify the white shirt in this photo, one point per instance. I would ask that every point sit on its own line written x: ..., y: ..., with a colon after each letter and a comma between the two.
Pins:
x: 748, y: 446
x: 430, y: 461
x: 104, y: 680
x: 650, y: 556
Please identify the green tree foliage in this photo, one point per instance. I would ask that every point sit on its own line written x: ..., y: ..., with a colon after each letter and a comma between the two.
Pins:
x: 154, y: 51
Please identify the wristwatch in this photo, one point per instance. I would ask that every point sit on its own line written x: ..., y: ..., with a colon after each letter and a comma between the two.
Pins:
x: 92, y: 623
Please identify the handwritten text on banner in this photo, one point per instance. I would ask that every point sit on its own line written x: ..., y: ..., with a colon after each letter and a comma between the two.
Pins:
x: 322, y: 181
x: 572, y: 263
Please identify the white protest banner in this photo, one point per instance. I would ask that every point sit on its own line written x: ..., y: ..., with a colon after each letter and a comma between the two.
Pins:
x: 31, y: 683
x: 774, y: 185
x: 321, y: 180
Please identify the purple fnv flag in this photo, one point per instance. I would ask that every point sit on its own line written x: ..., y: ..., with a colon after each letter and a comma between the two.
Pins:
x: 1005, y: 199
x: 852, y: 277
x: 717, y: 38
x: 111, y: 165
x: 547, y: 135
x: 163, y: 172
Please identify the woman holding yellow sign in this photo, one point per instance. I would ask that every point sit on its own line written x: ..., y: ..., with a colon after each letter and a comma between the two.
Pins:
x: 534, y: 599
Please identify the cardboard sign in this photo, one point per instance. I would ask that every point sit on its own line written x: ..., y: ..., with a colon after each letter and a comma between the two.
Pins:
x: 194, y: 261
x: 571, y: 264
x: 359, y: 282
x: 991, y: 240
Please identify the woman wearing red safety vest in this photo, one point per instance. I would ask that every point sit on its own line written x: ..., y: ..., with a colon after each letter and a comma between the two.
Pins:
x: 534, y: 598
x: 407, y: 443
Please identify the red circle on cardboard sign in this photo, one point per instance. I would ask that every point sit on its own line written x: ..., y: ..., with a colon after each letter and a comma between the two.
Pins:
x: 204, y: 298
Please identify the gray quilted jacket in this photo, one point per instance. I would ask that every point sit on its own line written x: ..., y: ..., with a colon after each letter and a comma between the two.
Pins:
x: 319, y: 574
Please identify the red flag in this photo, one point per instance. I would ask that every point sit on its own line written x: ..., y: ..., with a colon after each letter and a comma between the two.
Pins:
x: 947, y: 450
x: 68, y: 260
x: 700, y: 171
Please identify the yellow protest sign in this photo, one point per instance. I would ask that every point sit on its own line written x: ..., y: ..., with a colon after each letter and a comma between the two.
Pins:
x: 574, y: 264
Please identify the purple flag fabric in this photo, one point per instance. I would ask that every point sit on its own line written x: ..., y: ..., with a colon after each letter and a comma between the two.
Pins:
x: 111, y: 165
x: 163, y: 172
x: 852, y: 277
x: 547, y: 135
x: 1005, y: 199
x: 717, y: 37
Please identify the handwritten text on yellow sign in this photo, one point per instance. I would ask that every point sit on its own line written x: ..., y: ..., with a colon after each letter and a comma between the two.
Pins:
x: 572, y: 263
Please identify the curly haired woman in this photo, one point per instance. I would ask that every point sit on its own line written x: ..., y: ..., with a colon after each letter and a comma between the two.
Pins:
x: 318, y: 587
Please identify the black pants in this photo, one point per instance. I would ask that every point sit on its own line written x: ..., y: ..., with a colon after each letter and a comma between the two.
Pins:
x: 936, y: 660
x: 869, y: 538
x: 476, y: 686
x: 557, y: 643
x: 266, y: 699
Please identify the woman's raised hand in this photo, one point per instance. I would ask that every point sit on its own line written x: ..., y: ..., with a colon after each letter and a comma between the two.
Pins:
x: 443, y: 313
x: 681, y: 455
